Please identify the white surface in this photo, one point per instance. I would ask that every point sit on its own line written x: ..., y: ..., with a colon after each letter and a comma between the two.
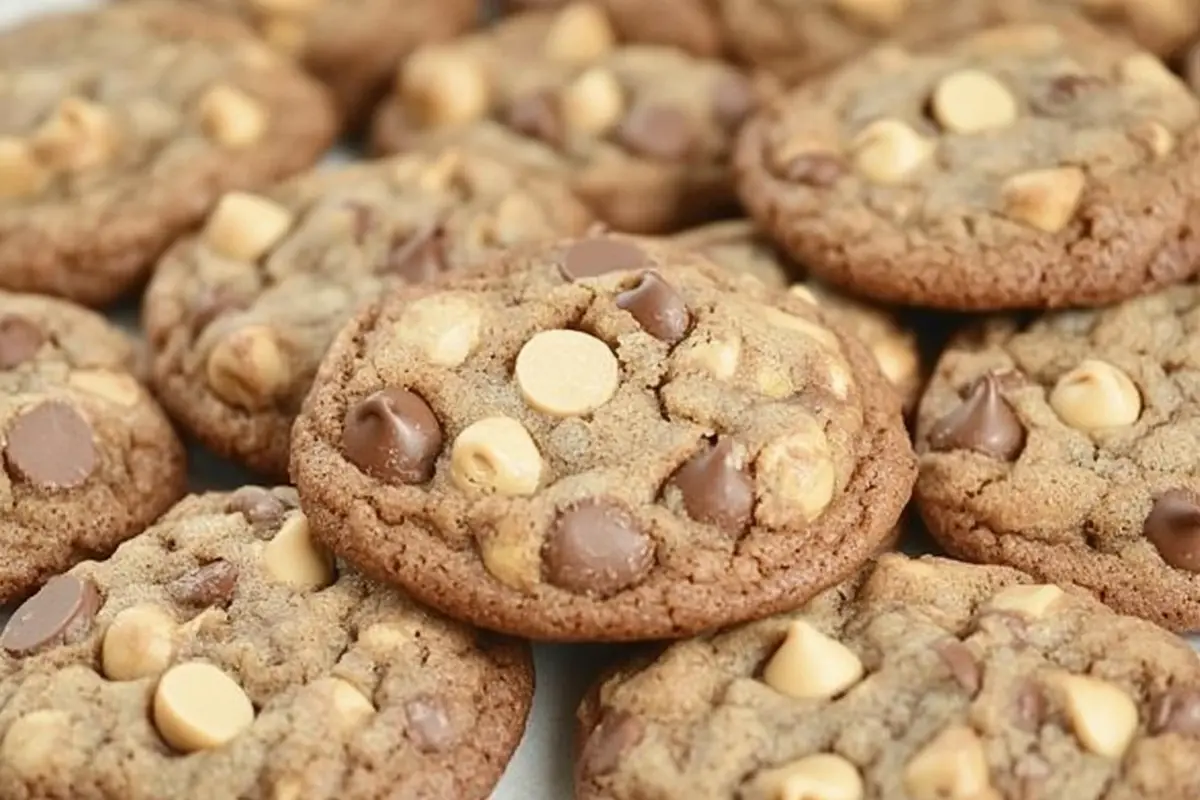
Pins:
x: 542, y: 767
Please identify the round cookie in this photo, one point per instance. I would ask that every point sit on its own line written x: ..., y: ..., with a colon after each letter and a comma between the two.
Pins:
x: 1026, y: 166
x: 89, y: 459
x: 239, y: 316
x: 643, y: 134
x: 737, y: 245
x: 223, y: 654
x: 920, y: 679
x: 601, y: 439
x: 1066, y: 448
x: 123, y: 125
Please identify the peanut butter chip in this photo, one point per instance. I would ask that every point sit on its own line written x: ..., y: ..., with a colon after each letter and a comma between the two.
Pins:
x: 350, y: 706
x: 232, y: 118
x: 580, y: 34
x: 880, y: 14
x: 496, y: 455
x: 293, y: 558
x: 139, y: 643
x: 1045, y: 199
x: 810, y: 664
x: 1096, y: 395
x: 972, y: 101
x: 1032, y: 601
x: 823, y: 776
x: 718, y: 357
x: 115, y: 387
x: 441, y: 87
x: 79, y: 136
x: 593, y: 103
x: 566, y: 373
x: 887, y: 151
x: 248, y: 369
x: 444, y: 328
x: 245, y: 226
x: 951, y: 767
x: 20, y: 173
x: 795, y: 476
x: 31, y: 742
x: 199, y: 707
x: 1103, y: 716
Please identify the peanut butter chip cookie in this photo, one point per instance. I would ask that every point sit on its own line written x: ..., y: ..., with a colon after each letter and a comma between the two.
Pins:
x: 627, y: 444
x: 239, y: 315
x: 89, y: 459
x: 224, y: 653
x: 123, y: 125
x: 1026, y: 166
x: 1066, y: 448
x: 925, y: 679
x: 643, y: 134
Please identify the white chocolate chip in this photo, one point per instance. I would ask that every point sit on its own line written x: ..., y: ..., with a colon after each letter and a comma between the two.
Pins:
x: 773, y: 381
x: 293, y: 558
x: 795, y: 477
x: 442, y: 87
x: 496, y: 455
x: 580, y: 34
x: 818, y: 333
x: 248, y: 369
x: 810, y: 664
x: 444, y: 328
x: 32, y: 740
x: 1045, y: 199
x: 566, y: 373
x: 139, y: 642
x: 232, y: 118
x: 384, y: 638
x: 823, y: 776
x: 887, y: 151
x: 21, y: 175
x: 80, y: 135
x: 593, y: 103
x: 897, y: 359
x: 443, y: 173
x: 972, y: 101
x: 350, y: 706
x: 804, y: 293
x: 880, y: 14
x: 718, y: 357
x: 245, y: 226
x: 1096, y: 395
x: 1103, y: 716
x: 1143, y: 69
x: 953, y: 766
x: 199, y: 707
x: 117, y: 388
x: 1154, y: 136
x: 1031, y: 600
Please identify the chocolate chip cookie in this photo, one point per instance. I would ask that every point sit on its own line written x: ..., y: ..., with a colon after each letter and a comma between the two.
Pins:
x: 353, y: 46
x: 601, y: 439
x: 1026, y: 166
x: 738, y: 246
x: 123, y: 125
x: 89, y: 459
x: 643, y: 134
x: 223, y: 654
x: 239, y: 316
x: 920, y: 679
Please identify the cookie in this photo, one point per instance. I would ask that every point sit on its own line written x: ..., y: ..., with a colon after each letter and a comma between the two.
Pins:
x: 239, y: 315
x: 221, y: 654
x: 352, y: 47
x: 643, y: 134
x: 1024, y: 167
x: 89, y: 458
x: 919, y: 680
x: 738, y: 246
x: 1066, y: 448
x: 123, y: 125
x: 601, y: 439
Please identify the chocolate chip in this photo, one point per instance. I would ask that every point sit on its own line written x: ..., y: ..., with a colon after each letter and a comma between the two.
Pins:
x: 732, y: 101
x: 961, y: 662
x: 428, y: 724
x: 212, y: 584
x: 20, y: 340
x: 596, y: 549
x: 813, y: 169
x: 984, y: 422
x: 1173, y: 527
x: 657, y: 307
x: 60, y: 613
x: 715, y: 490
x: 536, y: 115
x: 419, y: 257
x: 393, y: 435
x: 51, y: 446
x: 261, y: 508
x: 590, y: 258
x: 656, y: 131
x: 1176, y: 711
x: 1063, y: 91
x: 1029, y: 706
x: 617, y: 733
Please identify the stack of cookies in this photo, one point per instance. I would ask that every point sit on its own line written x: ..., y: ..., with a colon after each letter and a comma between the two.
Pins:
x: 668, y: 325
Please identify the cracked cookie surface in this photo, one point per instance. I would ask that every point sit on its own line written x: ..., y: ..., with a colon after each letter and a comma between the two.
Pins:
x: 89, y: 459
x: 1066, y: 448
x: 1024, y: 167
x: 917, y: 680
x: 643, y: 134
x: 601, y: 439
x: 222, y: 653
x: 239, y: 316
x: 123, y: 125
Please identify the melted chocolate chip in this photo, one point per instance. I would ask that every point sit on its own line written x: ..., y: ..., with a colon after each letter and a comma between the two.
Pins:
x: 51, y: 446
x: 732, y: 101
x: 261, y: 508
x: 1176, y: 711
x: 656, y: 131
x: 429, y: 726
x: 536, y: 115
x: 591, y: 258
x: 212, y: 584
x: 617, y: 733
x: 657, y: 307
x: 419, y: 257
x: 393, y: 435
x: 715, y: 489
x: 814, y: 169
x: 984, y: 422
x: 962, y: 663
x: 1173, y: 527
x: 20, y: 339
x: 60, y: 613
x: 595, y: 548
x: 1064, y: 90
